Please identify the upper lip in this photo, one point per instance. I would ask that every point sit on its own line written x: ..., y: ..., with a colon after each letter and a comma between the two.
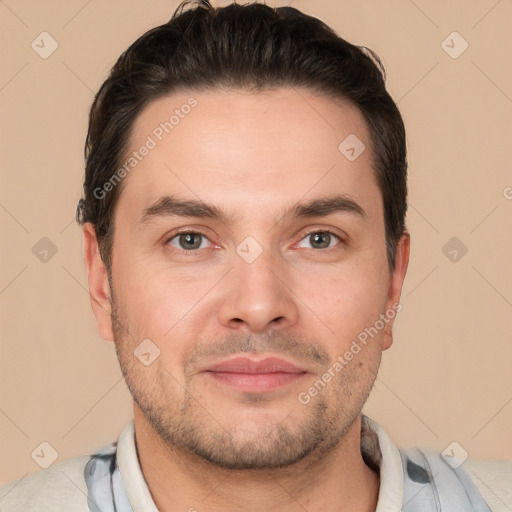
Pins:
x: 247, y: 365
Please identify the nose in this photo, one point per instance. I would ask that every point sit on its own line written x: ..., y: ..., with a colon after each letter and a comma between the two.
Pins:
x: 258, y: 297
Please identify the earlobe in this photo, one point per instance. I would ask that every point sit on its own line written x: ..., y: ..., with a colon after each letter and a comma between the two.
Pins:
x: 99, y: 287
x: 395, y: 285
x: 388, y: 338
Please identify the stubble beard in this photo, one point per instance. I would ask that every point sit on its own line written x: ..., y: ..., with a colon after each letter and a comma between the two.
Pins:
x: 186, y: 426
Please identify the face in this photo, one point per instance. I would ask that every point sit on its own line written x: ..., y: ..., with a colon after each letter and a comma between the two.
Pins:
x: 249, y: 253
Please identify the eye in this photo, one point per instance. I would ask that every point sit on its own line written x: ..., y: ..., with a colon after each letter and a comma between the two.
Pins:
x: 188, y: 241
x: 321, y: 239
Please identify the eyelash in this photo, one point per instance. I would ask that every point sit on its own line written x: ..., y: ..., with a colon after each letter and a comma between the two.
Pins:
x: 308, y: 233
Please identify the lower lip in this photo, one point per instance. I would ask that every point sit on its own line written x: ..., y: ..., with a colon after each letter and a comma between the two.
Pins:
x: 256, y: 382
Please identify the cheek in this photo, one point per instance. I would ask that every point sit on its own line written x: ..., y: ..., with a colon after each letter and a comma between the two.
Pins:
x: 348, y: 299
x: 162, y: 304
x: 350, y: 315
x: 351, y: 309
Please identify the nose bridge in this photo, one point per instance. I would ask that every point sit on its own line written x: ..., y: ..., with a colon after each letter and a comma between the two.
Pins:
x: 258, y: 295
x: 258, y: 271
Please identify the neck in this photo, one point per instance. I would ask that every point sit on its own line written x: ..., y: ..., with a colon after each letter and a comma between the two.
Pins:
x: 336, y: 481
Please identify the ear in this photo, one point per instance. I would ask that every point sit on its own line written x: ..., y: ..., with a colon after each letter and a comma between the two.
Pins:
x: 99, y: 287
x: 396, y: 281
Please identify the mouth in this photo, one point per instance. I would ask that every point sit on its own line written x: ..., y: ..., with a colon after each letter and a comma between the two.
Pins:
x: 255, y: 376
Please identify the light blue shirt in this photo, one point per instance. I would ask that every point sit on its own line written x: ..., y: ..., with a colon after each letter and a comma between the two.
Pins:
x: 111, y: 480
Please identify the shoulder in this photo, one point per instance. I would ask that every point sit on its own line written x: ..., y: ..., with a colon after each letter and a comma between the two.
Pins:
x: 61, y: 484
x: 477, y: 484
x: 494, y: 480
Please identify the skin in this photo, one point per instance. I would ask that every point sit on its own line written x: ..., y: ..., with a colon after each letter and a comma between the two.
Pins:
x: 202, y: 444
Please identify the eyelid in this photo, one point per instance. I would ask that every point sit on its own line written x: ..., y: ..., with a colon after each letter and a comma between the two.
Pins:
x: 181, y: 231
x: 332, y: 231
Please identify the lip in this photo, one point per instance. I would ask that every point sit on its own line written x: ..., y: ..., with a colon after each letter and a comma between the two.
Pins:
x: 247, y: 365
x: 254, y: 376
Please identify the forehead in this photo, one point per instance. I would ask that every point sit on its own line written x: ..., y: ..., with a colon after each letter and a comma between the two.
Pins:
x: 251, y: 151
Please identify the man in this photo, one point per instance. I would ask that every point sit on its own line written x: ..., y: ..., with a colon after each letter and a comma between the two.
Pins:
x: 245, y: 245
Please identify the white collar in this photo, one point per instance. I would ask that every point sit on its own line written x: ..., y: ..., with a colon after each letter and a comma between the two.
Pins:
x: 379, y: 447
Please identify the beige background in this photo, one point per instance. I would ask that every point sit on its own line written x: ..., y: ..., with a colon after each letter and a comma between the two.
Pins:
x: 447, y: 377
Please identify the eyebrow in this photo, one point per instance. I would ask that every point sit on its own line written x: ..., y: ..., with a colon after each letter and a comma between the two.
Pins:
x: 172, y: 206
